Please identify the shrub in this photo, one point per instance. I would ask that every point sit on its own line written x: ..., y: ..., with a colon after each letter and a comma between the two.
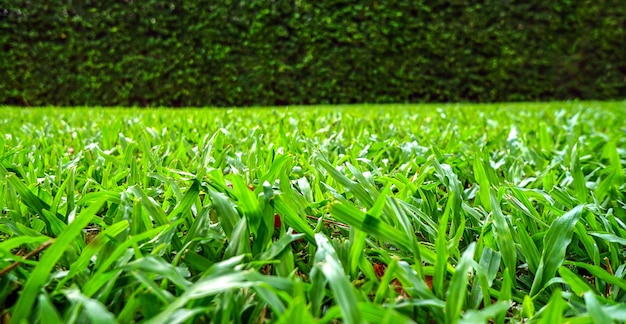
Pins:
x: 241, y: 53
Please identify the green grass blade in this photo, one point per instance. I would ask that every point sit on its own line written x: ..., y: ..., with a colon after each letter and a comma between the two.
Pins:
x: 203, y: 288
x: 327, y: 262
x: 596, y: 311
x: 353, y: 187
x: 455, y: 299
x: 155, y: 265
x: 529, y: 250
x: 577, y: 284
x: 93, y: 248
x: 100, y: 276
x: 555, y: 244
x: 226, y: 211
x: 483, y: 181
x: 95, y: 311
x: 504, y: 238
x: 39, y: 276
x: 441, y: 246
x: 184, y: 206
x: 553, y: 311
x: 505, y: 293
x: 372, y: 313
x: 485, y: 314
x: 291, y: 218
x: 55, y: 224
x: 150, y: 205
x: 580, y: 186
x: 601, y: 274
x: 47, y: 310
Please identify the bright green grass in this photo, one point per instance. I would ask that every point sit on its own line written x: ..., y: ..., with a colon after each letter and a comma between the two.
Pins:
x: 508, y: 213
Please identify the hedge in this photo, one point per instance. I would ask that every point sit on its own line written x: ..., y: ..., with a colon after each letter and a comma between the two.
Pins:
x: 260, y: 52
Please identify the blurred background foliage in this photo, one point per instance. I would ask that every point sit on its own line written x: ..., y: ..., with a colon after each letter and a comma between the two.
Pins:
x: 258, y: 52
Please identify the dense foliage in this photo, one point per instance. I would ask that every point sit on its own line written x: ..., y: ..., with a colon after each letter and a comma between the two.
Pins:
x: 240, y: 53
x: 458, y: 213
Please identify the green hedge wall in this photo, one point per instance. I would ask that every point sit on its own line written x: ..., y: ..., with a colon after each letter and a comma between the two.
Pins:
x: 273, y: 52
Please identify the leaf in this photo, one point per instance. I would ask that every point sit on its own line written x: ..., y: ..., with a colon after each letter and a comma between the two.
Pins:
x: 47, y: 310
x: 372, y: 313
x: 354, y: 187
x: 594, y: 309
x: 279, y: 246
x: 203, y: 288
x: 53, y: 222
x: 441, y: 246
x: 528, y: 307
x: 226, y: 211
x: 485, y: 314
x: 578, y: 285
x: 458, y: 286
x: 352, y: 216
x: 553, y: 311
x: 39, y: 276
x: 184, y: 206
x: 610, y: 238
x: 152, y: 264
x: 291, y: 218
x: 483, y: 182
x: 95, y: 311
x: 579, y: 178
x: 504, y: 238
x: 101, y: 276
x: 601, y: 274
x: 150, y: 205
x: 555, y: 243
x: 327, y: 262
x: 93, y: 248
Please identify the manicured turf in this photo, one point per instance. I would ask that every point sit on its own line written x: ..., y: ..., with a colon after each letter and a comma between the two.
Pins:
x: 384, y: 214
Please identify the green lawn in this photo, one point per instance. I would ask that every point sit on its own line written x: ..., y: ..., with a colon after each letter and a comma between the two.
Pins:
x: 383, y: 214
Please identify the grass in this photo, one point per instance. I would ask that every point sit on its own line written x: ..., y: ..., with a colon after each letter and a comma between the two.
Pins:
x: 456, y: 214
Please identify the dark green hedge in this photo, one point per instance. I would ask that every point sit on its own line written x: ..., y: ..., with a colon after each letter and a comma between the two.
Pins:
x: 273, y: 52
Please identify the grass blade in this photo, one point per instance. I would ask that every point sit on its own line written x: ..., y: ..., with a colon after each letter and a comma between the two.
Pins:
x: 598, y: 314
x: 39, y: 276
x: 458, y: 286
x: 504, y: 238
x: 555, y: 243
x: 327, y: 262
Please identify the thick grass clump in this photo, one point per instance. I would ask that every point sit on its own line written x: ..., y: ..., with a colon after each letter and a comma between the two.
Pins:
x: 384, y: 214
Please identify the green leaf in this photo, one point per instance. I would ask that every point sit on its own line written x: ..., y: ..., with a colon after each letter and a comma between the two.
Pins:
x: 95, y: 311
x: 485, y: 314
x: 47, y: 310
x: 184, y: 206
x: 553, y: 311
x: 203, y: 288
x: 528, y: 307
x: 555, y: 244
x: 601, y: 274
x: 579, y: 178
x: 504, y: 238
x: 327, y: 262
x: 152, y: 264
x: 578, y: 285
x: 458, y: 286
x: 610, y: 238
x: 483, y: 182
x: 150, y: 205
x: 226, y: 211
x: 594, y: 309
x: 53, y: 222
x: 40, y: 274
x: 441, y: 246
x: 291, y: 218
